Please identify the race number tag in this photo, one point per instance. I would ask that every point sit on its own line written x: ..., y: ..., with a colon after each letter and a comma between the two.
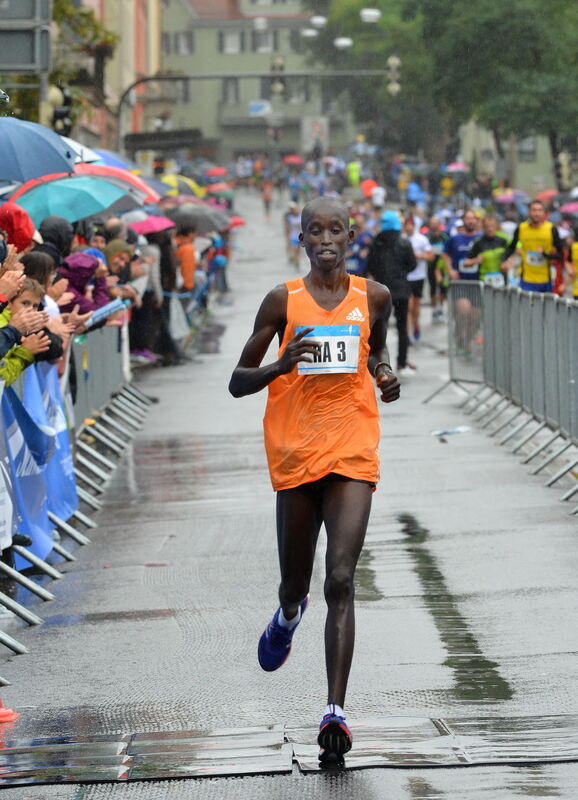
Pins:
x: 338, y: 351
x: 471, y: 270
x: 495, y: 279
x: 535, y: 259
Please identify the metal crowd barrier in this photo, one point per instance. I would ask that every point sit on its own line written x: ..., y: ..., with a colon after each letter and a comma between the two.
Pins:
x: 108, y: 410
x: 465, y: 335
x: 530, y: 366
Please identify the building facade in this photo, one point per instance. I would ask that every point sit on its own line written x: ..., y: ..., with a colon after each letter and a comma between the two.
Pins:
x: 248, y: 115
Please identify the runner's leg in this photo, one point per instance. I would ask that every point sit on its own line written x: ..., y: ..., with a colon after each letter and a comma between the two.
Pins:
x: 299, y: 518
x: 346, y: 506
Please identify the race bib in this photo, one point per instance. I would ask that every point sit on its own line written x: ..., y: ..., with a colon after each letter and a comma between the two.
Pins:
x: 438, y: 248
x: 535, y: 259
x: 494, y: 279
x: 471, y: 270
x: 338, y: 351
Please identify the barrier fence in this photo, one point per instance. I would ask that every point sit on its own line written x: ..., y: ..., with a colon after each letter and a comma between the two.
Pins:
x: 57, y: 453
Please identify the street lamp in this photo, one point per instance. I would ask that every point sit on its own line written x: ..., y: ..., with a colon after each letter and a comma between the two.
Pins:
x: 260, y: 23
x: 318, y: 21
x: 393, y: 75
x: 370, y: 15
x: 309, y: 33
x: 343, y: 42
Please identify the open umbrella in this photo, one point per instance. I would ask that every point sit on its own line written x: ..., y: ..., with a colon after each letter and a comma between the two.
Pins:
x: 203, y: 219
x: 75, y: 197
x: 457, y: 166
x: 121, y: 177
x: 513, y: 196
x: 216, y: 172
x: 180, y: 184
x: 28, y: 150
x: 367, y: 186
x: 547, y: 195
x: 569, y: 208
x: 113, y: 159
x: 236, y: 222
x: 152, y: 224
x: 293, y: 160
x: 83, y: 153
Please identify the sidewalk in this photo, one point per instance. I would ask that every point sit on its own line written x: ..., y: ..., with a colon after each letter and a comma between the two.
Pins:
x: 466, y: 587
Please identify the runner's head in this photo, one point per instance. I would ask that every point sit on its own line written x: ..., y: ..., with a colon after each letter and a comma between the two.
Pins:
x: 325, y: 232
x: 470, y: 222
x: 409, y: 226
x: 490, y: 224
x: 537, y: 212
x: 434, y: 225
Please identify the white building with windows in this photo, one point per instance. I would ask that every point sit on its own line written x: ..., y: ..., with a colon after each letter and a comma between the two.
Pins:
x: 240, y: 115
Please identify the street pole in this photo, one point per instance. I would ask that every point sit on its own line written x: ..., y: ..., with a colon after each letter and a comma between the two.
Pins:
x: 212, y: 76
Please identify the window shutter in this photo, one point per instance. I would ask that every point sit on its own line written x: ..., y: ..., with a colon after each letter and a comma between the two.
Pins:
x: 221, y: 42
x: 275, y: 41
x: 242, y: 42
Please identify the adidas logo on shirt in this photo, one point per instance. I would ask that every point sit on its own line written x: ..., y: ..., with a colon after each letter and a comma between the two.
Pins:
x: 355, y: 316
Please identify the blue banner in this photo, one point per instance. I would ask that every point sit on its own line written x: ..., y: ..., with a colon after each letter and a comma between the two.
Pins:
x: 59, y: 472
x: 28, y: 448
x: 7, y: 513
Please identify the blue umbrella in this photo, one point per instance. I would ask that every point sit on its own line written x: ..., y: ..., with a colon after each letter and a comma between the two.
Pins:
x: 72, y: 198
x: 28, y: 150
x: 112, y: 159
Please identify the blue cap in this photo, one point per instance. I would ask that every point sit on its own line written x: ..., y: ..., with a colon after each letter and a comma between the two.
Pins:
x: 390, y: 221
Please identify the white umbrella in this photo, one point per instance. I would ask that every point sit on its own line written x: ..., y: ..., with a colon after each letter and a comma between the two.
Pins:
x: 83, y: 153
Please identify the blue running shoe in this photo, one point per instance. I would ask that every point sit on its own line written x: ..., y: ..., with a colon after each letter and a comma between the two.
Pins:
x: 334, y: 739
x: 275, y: 642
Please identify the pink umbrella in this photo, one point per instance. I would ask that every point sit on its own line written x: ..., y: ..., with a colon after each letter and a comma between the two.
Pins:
x: 458, y: 166
x: 152, y: 224
x: 293, y: 159
x: 216, y: 172
x: 569, y: 208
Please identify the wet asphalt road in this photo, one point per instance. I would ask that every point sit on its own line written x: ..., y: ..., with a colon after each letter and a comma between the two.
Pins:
x: 466, y: 592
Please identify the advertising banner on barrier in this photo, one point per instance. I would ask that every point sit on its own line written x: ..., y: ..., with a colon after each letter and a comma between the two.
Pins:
x: 59, y: 472
x: 7, y: 516
x: 29, y: 448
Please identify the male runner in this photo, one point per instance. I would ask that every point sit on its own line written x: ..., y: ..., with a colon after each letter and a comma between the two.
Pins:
x: 539, y: 242
x: 321, y: 436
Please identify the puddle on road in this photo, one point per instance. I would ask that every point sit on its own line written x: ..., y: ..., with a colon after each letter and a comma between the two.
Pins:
x: 365, y: 579
x: 477, y: 679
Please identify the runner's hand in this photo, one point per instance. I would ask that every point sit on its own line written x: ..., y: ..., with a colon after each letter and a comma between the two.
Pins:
x: 11, y: 283
x: 297, y: 350
x: 389, y: 386
x: 27, y: 319
x: 36, y: 342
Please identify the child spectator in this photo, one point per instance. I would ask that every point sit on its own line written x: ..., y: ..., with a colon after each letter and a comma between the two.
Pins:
x: 34, y: 345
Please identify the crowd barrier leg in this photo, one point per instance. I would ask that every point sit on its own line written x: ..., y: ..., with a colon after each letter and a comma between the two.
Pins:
x: 98, y: 487
x: 42, y: 565
x: 135, y: 412
x: 90, y: 465
x: 473, y: 395
x: 106, y: 439
x: 507, y: 422
x: 13, y: 644
x: 104, y: 417
x: 499, y: 409
x: 62, y: 551
x: 16, y: 608
x: 64, y: 527
x: 90, y: 523
x: 480, y: 400
x: 122, y: 414
x: 499, y: 401
x: 528, y: 437
x: 516, y: 429
x: 138, y: 394
x: 552, y: 457
x: 570, y: 493
x: 88, y: 498
x: 135, y: 396
x: 560, y: 474
x: 541, y: 448
x: 43, y: 593
x: 442, y: 388
x: 96, y: 455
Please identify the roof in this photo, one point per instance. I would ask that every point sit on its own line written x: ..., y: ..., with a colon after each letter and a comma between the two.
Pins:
x: 216, y: 9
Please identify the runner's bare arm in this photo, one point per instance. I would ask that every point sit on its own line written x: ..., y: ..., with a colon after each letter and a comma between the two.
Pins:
x: 378, y: 363
x: 249, y: 376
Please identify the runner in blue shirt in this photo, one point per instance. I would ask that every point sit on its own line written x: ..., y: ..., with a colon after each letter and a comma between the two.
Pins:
x: 457, y: 248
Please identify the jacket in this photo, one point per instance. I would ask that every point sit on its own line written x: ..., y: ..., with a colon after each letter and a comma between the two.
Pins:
x: 390, y: 260
x: 79, y: 269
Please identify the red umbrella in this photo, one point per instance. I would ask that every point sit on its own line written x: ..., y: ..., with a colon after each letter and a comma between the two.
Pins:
x: 293, y: 159
x: 458, y: 166
x: 236, y: 222
x: 546, y: 195
x: 152, y: 224
x: 567, y: 208
x: 118, y: 174
x: 216, y: 172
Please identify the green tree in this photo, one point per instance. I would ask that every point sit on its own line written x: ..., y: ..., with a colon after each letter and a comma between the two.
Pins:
x: 408, y: 122
x: 511, y: 66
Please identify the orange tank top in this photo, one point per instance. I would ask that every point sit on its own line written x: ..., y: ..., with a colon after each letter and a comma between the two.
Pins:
x: 322, y: 417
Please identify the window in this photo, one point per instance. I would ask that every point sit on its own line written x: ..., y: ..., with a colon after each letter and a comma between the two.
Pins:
x: 231, y: 91
x: 298, y: 90
x: 166, y: 44
x: 296, y: 40
x: 527, y: 149
x: 265, y: 41
x: 184, y: 43
x: 231, y: 42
